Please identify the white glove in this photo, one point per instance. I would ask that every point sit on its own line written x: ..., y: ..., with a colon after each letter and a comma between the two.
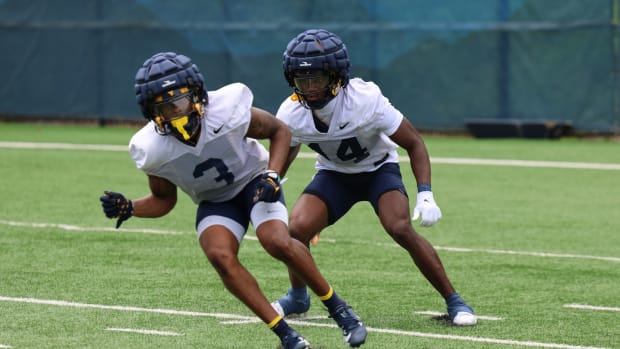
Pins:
x: 427, y: 208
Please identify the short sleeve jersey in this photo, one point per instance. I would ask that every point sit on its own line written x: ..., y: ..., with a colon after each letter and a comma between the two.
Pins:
x: 357, y: 139
x: 223, y: 161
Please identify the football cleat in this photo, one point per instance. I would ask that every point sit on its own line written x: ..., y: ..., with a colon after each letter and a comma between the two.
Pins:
x: 460, y: 313
x: 288, y: 306
x: 293, y: 340
x: 353, y: 330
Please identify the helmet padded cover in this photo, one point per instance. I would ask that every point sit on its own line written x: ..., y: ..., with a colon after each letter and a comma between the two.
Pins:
x: 166, y: 71
x: 316, y: 49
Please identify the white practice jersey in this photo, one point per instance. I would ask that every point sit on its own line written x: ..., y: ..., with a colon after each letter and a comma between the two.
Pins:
x: 223, y: 161
x: 361, y: 121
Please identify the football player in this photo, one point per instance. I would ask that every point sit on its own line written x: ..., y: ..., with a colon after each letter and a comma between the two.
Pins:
x: 355, y: 131
x: 205, y: 143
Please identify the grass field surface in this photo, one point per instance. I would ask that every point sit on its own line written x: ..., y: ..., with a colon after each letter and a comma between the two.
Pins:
x: 529, y: 239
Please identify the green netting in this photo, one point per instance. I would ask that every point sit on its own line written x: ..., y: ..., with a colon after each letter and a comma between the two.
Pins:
x: 441, y: 62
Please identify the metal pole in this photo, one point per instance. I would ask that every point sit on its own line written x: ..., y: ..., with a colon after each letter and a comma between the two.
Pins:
x: 615, y: 57
x: 503, y: 68
x: 99, y: 64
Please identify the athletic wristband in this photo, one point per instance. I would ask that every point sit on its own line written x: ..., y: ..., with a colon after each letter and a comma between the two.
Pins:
x: 424, y: 187
x: 272, y: 174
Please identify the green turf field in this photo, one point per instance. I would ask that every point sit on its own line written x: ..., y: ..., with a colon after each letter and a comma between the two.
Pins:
x: 532, y: 245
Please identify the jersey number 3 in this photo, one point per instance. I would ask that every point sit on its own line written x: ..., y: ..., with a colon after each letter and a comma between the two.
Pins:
x: 219, y: 165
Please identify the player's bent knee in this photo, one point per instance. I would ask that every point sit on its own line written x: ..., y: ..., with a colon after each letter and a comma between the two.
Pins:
x: 222, y: 261
x: 276, y: 242
x: 302, y: 232
x: 401, y: 232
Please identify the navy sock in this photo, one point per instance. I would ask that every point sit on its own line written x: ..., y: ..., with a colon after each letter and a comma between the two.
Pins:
x: 281, y: 328
x: 333, y: 301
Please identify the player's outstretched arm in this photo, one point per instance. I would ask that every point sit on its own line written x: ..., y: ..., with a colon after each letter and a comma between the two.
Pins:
x: 410, y: 139
x: 159, y: 202
x: 264, y: 125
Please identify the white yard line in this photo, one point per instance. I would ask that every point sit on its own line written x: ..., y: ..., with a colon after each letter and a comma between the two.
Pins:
x: 70, y: 227
x: 124, y: 308
x: 63, y: 146
x: 533, y: 254
x: 524, y: 163
x: 591, y: 307
x: 144, y: 331
x: 299, y: 322
x: 482, y: 339
x: 480, y: 317
x: 435, y: 160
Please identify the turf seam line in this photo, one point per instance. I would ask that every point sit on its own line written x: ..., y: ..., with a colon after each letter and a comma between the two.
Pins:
x: 250, y: 237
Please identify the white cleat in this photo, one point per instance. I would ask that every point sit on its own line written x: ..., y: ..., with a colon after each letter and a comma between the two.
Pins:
x: 289, y: 307
x: 463, y: 318
x: 278, y: 308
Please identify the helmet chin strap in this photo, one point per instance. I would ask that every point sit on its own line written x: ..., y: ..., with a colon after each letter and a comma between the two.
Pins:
x: 319, y: 104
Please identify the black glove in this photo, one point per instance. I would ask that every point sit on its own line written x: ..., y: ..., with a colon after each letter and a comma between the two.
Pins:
x: 116, y: 206
x: 268, y: 188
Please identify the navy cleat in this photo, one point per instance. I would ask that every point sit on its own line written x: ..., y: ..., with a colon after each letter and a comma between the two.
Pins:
x: 293, y: 340
x: 353, y: 330
x: 289, y: 306
x: 460, y: 313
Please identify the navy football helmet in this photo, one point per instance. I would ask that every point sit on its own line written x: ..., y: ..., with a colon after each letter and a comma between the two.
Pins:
x: 316, y: 64
x: 171, y: 92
